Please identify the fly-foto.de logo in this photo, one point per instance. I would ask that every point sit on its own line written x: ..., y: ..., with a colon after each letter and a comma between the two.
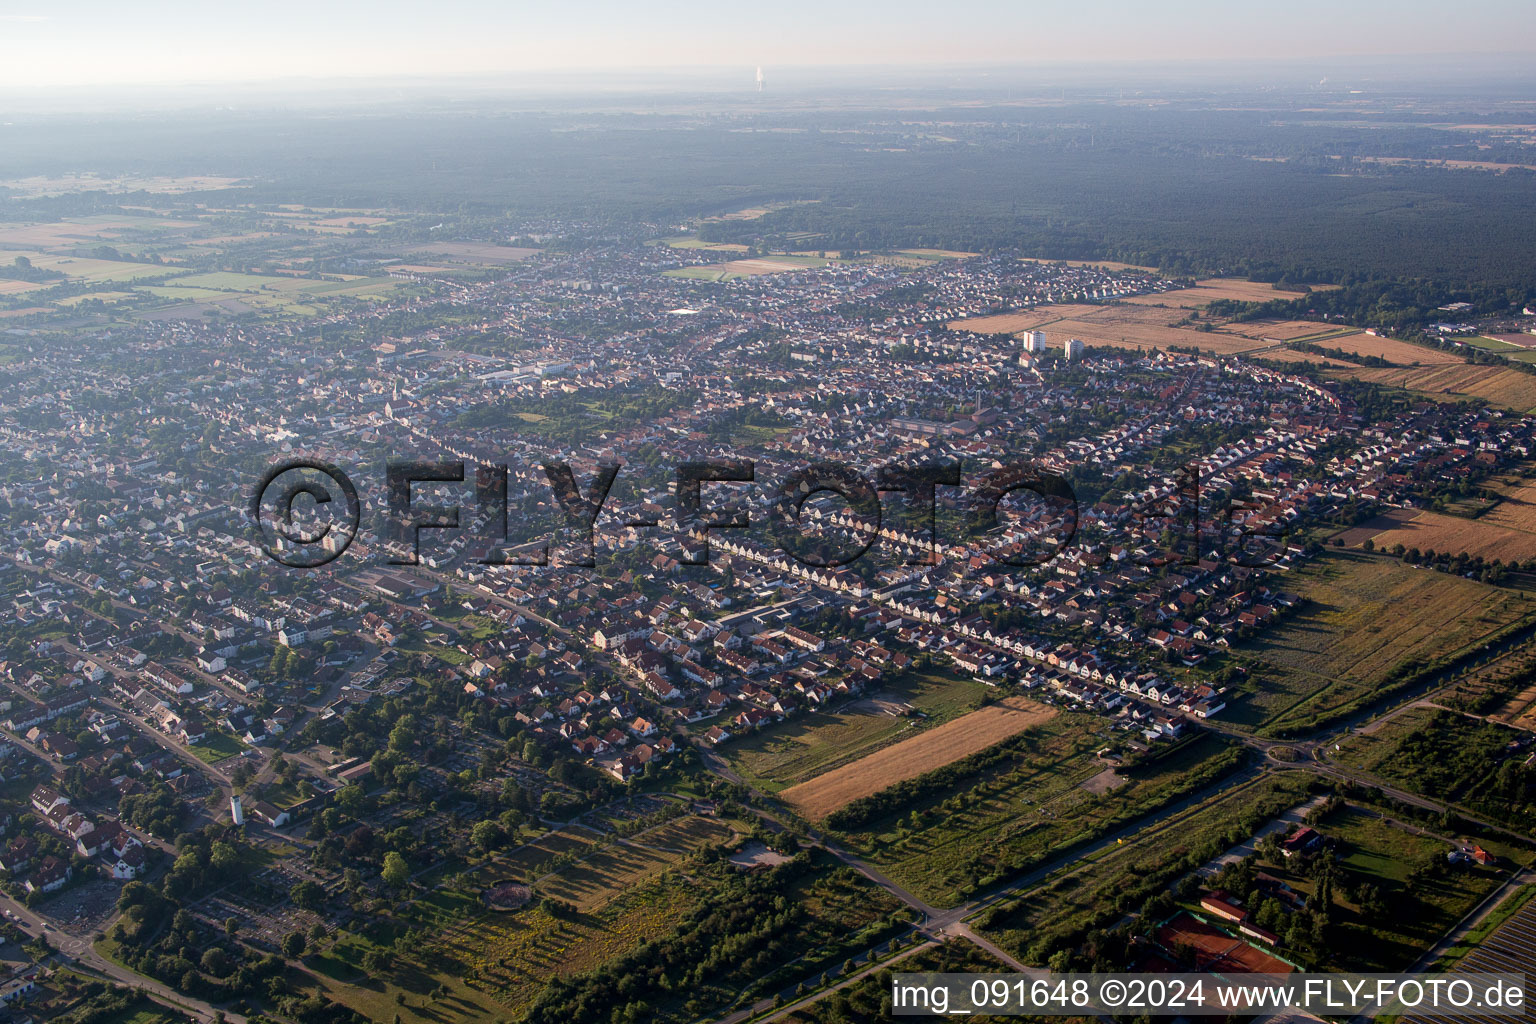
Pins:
x: 308, y: 511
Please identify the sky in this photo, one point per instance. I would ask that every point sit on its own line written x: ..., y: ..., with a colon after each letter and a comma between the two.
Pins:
x: 51, y: 43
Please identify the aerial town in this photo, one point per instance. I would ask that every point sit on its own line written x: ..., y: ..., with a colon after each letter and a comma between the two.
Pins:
x: 485, y: 767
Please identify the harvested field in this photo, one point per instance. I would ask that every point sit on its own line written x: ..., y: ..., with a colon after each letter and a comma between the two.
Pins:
x: 733, y: 269
x: 1290, y: 355
x: 1511, y: 389
x: 943, y: 254
x: 1516, y: 509
x: 1120, y: 313
x: 63, y: 184
x: 1452, y: 534
x: 920, y: 754
x: 473, y: 253
x: 1133, y: 335
x: 1106, y: 264
x: 1287, y: 330
x: 1218, y: 288
x: 1401, y: 352
x: 1012, y: 323
x: 1520, y: 710
x: 1373, y: 527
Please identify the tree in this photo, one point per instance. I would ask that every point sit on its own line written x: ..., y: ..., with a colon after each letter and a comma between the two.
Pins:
x: 487, y: 835
x: 308, y: 895
x: 293, y: 945
x: 215, y: 962
x: 396, y: 871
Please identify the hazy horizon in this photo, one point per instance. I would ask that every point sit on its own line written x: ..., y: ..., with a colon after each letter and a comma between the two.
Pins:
x: 92, y: 44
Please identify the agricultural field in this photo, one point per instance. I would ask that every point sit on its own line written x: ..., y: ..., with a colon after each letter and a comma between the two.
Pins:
x: 495, y: 961
x: 1131, y: 333
x: 38, y: 186
x: 1490, y: 536
x: 1365, y: 616
x: 1122, y: 325
x: 953, y: 839
x: 73, y: 232
x: 470, y: 254
x: 1449, y: 756
x: 1013, y: 323
x: 1291, y: 330
x: 496, y: 964
x: 1291, y: 355
x: 1098, y: 890
x: 1512, y: 389
x: 801, y: 748
x: 734, y: 269
x: 115, y: 271
x: 935, y: 254
x: 1211, y: 289
x: 1515, y: 508
x: 1502, y: 690
x: 1402, y: 353
x: 492, y: 962
x: 690, y: 242
x: 910, y: 758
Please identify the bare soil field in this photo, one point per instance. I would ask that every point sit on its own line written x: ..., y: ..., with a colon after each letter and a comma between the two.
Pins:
x: 923, y: 753
x: 1509, y: 388
x: 8, y: 287
x: 1107, y: 781
x: 1433, y: 531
